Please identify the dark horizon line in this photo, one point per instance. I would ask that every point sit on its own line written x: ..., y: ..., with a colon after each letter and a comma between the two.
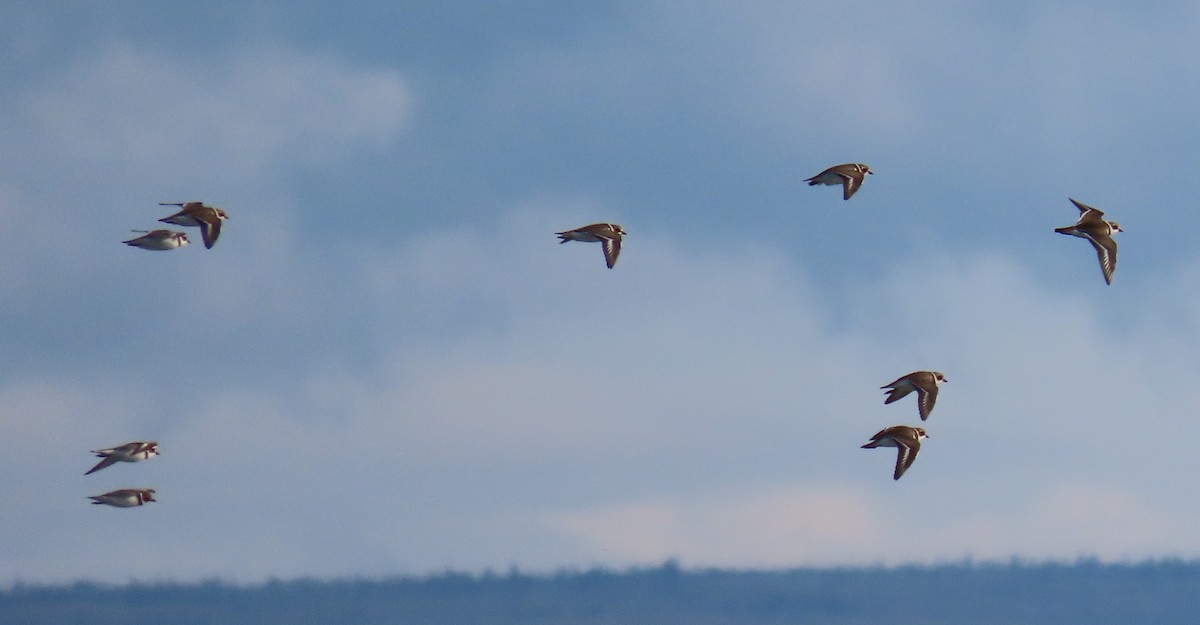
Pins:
x: 667, y: 566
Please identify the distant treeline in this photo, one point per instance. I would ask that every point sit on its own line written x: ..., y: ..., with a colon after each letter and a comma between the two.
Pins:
x: 1085, y: 592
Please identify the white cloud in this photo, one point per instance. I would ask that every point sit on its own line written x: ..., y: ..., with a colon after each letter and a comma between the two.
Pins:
x: 773, y: 528
x: 128, y: 110
x: 1068, y: 519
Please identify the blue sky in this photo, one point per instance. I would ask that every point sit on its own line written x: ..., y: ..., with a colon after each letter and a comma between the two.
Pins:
x: 388, y: 364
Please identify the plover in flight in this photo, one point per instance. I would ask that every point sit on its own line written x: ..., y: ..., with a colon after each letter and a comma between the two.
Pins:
x: 197, y: 214
x: 129, y: 452
x: 849, y: 175
x: 158, y: 240
x: 608, y: 234
x: 1099, y: 232
x: 906, y: 440
x: 125, y: 498
x: 925, y: 383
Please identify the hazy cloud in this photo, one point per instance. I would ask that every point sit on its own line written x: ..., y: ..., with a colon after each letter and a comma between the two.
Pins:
x: 225, y: 117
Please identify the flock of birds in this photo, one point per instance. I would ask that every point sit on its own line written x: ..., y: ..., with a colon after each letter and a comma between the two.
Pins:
x: 906, y: 439
x: 1091, y: 226
x: 129, y: 452
x: 193, y: 215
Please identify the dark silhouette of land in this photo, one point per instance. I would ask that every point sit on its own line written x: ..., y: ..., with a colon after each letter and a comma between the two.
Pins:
x: 1085, y: 592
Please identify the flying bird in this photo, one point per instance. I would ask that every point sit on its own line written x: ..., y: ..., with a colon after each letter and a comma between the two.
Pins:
x: 925, y: 383
x: 158, y: 240
x: 906, y: 440
x: 129, y: 452
x: 1099, y: 232
x: 608, y: 234
x: 849, y: 175
x: 199, y: 215
x: 125, y: 498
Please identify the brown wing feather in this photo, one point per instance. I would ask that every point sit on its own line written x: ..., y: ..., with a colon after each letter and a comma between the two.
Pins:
x: 909, y: 445
x: 1084, y: 208
x: 902, y: 462
x: 850, y: 184
x: 905, y: 455
x: 612, y: 248
x: 1106, y: 253
x: 102, y: 464
x: 925, y: 400
x: 210, y: 230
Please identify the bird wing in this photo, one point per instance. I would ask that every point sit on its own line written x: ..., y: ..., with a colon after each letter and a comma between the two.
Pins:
x: 926, y: 396
x: 1106, y: 252
x: 1084, y: 208
x: 906, y: 453
x: 109, y: 460
x: 850, y: 183
x: 210, y: 229
x: 612, y: 248
x: 898, y: 389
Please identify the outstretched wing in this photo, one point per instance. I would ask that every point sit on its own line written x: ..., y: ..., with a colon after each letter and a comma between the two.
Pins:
x: 612, y: 248
x: 1106, y: 252
x: 926, y: 396
x: 108, y: 460
x: 898, y: 389
x: 210, y: 229
x: 850, y: 183
x: 906, y: 453
x: 1084, y: 208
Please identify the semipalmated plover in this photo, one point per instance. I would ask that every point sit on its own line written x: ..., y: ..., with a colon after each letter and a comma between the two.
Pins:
x: 849, y: 175
x: 129, y: 452
x: 608, y: 234
x: 197, y: 214
x: 1093, y: 227
x: 906, y: 440
x: 925, y: 383
x: 158, y: 240
x: 125, y: 498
